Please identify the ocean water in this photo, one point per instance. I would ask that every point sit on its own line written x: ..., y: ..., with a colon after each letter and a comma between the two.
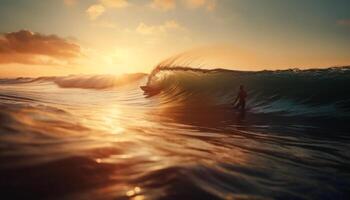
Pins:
x: 101, y: 137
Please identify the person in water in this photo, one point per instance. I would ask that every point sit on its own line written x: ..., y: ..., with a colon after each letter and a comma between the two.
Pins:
x: 241, y: 96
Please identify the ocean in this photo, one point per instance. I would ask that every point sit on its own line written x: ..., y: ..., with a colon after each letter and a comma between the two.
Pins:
x: 102, y: 137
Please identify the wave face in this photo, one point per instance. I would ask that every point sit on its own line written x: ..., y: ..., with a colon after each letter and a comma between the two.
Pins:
x: 308, y: 93
x: 101, y: 137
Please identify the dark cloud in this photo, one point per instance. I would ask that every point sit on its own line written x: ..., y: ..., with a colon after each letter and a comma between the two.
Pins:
x: 27, y: 47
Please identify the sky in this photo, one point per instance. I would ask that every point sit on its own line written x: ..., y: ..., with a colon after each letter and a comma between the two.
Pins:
x: 61, y: 37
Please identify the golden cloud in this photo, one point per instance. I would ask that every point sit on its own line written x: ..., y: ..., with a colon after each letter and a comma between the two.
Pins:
x: 27, y: 47
x: 154, y: 29
x: 115, y: 3
x: 94, y: 11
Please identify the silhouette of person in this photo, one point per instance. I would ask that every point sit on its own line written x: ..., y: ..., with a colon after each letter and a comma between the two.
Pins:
x: 241, y: 96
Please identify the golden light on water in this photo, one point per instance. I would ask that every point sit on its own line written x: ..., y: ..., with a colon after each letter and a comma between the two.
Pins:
x: 139, y: 197
x: 133, y: 192
x: 105, y: 119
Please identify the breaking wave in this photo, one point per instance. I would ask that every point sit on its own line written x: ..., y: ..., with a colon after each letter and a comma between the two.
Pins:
x: 293, y: 92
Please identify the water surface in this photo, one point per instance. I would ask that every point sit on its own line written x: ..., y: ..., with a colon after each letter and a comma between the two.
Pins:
x: 100, y: 137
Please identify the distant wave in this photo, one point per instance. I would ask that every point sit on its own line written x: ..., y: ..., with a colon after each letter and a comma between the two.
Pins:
x: 293, y: 92
x: 97, y: 81
x: 81, y: 81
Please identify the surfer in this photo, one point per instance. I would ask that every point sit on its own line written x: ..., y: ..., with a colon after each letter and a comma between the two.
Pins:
x: 241, y: 96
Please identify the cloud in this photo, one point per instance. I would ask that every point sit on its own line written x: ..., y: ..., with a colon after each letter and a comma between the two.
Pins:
x: 155, y: 29
x: 344, y: 22
x: 209, y: 5
x: 27, y: 47
x: 163, y: 5
x: 94, y: 11
x: 115, y: 3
